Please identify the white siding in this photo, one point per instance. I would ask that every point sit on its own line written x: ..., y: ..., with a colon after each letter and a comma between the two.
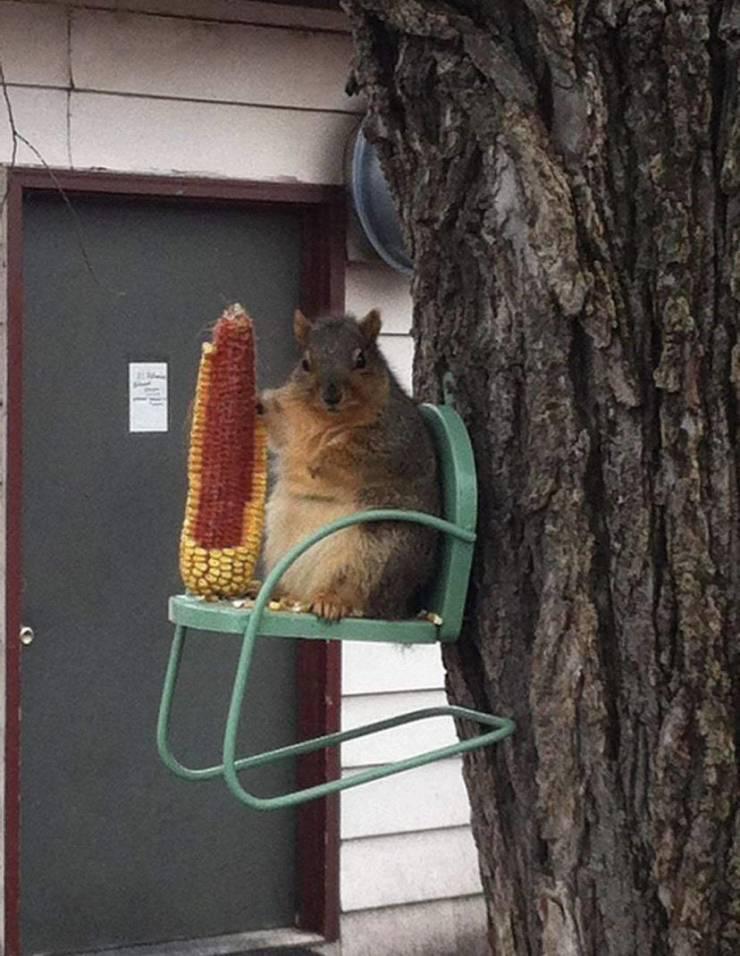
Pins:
x: 223, y: 11
x: 220, y: 88
x: 33, y: 44
x: 163, y: 94
x: 240, y: 142
x: 408, y: 868
x: 199, y: 60
x: 392, y: 667
x: 375, y: 286
x: 399, y: 742
x: 430, y: 798
x: 399, y: 350
x: 40, y: 116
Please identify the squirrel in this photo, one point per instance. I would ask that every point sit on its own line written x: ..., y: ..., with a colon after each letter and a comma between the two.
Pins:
x: 346, y: 437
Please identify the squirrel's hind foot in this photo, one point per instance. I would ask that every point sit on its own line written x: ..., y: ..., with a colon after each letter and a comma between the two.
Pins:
x: 330, y: 607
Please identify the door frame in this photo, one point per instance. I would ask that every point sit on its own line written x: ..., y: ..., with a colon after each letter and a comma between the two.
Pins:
x: 318, y: 664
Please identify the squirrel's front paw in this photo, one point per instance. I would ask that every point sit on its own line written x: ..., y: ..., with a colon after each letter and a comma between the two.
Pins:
x: 329, y: 606
x: 262, y: 402
x: 268, y: 400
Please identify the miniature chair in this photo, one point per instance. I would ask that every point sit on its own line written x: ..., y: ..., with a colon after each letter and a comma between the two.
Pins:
x: 447, y: 603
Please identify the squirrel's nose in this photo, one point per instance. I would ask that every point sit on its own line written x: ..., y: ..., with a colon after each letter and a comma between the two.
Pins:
x: 331, y: 394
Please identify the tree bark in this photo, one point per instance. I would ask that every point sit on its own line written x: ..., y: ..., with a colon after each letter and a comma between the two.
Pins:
x: 568, y: 177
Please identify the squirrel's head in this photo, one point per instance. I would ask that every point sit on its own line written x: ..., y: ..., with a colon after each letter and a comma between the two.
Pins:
x: 341, y: 367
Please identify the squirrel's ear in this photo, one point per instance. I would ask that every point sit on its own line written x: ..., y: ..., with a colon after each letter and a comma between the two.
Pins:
x: 301, y: 328
x: 370, y: 325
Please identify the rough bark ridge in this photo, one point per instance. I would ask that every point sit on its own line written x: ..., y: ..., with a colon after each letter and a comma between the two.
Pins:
x: 568, y: 173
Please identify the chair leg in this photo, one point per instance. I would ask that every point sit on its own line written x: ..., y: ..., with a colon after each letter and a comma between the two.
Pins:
x: 230, y: 763
x: 502, y: 727
x: 165, y: 711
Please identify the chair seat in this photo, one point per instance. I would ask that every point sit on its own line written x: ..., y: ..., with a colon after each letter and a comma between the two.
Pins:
x: 223, y: 618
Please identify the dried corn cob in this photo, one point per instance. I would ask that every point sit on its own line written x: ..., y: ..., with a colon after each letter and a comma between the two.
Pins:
x: 227, y: 466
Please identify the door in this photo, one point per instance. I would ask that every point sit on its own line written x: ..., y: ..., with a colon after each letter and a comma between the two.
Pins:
x: 115, y: 850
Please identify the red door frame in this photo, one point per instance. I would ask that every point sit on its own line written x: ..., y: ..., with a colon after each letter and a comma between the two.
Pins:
x: 322, y: 290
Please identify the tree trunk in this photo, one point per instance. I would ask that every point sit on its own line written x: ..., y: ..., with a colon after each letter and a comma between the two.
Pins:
x: 568, y: 176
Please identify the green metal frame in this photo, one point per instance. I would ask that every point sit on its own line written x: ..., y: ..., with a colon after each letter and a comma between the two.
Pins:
x: 447, y: 600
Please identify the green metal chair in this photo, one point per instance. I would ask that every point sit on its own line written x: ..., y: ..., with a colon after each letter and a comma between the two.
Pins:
x: 447, y: 602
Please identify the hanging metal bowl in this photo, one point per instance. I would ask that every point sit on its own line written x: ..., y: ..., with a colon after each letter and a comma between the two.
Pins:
x: 374, y: 206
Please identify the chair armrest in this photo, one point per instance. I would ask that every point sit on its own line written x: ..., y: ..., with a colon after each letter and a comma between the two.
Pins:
x: 360, y: 517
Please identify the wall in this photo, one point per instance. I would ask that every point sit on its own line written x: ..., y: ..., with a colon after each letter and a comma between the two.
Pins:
x: 255, y: 91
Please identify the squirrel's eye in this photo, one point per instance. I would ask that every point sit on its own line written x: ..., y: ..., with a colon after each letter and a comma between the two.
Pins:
x: 305, y: 364
x: 360, y: 360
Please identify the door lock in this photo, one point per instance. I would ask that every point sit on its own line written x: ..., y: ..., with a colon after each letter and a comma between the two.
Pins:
x: 26, y: 635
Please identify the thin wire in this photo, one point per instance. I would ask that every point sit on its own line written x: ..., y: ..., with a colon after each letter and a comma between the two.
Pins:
x: 13, y: 133
x: 19, y: 138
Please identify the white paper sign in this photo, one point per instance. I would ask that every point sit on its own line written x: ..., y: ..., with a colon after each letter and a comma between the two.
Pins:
x: 147, y: 396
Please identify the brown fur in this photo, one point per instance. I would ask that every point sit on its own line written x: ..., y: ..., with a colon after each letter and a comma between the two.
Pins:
x: 370, y: 450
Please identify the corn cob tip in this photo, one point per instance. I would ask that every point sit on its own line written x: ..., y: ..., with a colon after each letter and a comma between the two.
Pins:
x: 235, y: 311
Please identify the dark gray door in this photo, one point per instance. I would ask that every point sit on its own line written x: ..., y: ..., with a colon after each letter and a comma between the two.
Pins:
x: 114, y: 850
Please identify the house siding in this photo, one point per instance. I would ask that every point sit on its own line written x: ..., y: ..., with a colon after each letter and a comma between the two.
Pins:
x: 256, y: 91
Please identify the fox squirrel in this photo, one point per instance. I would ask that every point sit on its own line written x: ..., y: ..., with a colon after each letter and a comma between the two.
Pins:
x: 346, y: 437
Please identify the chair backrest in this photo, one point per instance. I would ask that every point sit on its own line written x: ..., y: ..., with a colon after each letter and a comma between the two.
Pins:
x: 460, y: 506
